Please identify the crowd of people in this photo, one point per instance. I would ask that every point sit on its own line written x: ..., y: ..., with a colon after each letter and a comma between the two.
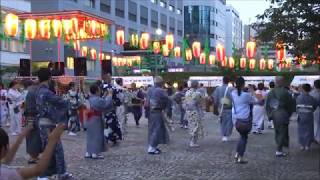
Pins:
x: 103, y: 111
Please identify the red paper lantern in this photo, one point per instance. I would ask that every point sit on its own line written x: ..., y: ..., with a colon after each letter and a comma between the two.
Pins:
x: 134, y: 40
x: 165, y: 50
x: 202, y: 58
x: 262, y: 64
x: 30, y: 26
x: 93, y: 54
x: 57, y: 28
x: 177, y: 52
x: 231, y: 62
x: 144, y: 40
x: 224, y: 61
x: 243, y: 63
x: 212, y: 59
x: 94, y: 28
x: 104, y: 29
x: 44, y: 29
x: 288, y: 62
x: 75, y: 25
x: 251, y: 49
x: 196, y: 49
x: 120, y: 37
x: 84, y: 51
x: 220, y: 52
x: 252, y: 64
x: 188, y: 54
x: 76, y: 45
x: 11, y: 25
x: 156, y: 47
x: 270, y: 64
x: 170, y: 41
x: 280, y: 52
x: 101, y: 56
x: 67, y: 26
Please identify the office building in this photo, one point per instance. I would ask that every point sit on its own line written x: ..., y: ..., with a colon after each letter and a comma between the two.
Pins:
x: 234, y: 32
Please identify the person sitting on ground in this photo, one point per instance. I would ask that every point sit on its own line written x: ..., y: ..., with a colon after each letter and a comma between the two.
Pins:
x: 7, y: 154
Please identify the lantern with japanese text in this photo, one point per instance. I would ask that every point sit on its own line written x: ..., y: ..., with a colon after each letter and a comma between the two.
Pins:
x: 165, y: 50
x: 270, y: 64
x: 280, y: 52
x: 30, y: 26
x: 212, y: 59
x: 76, y: 45
x: 188, y: 54
x: 224, y: 61
x: 177, y: 52
x: 196, y: 49
x: 93, y: 54
x: 243, y: 63
x: 220, y: 52
x: 84, y: 51
x: 11, y: 25
x: 251, y: 49
x: 144, y: 40
x: 262, y: 64
x: 252, y: 64
x: 101, y: 56
x: 170, y: 41
x: 134, y: 40
x: 67, y: 26
x: 120, y: 37
x: 44, y: 29
x: 231, y: 62
x: 57, y: 28
x: 156, y: 47
x: 202, y: 58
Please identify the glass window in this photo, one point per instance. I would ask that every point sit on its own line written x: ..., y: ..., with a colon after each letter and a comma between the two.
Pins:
x: 105, y: 6
x: 163, y: 3
x: 179, y: 11
x: 90, y: 3
x: 132, y: 11
x: 143, y: 15
x: 154, y: 19
x: 171, y: 8
x: 120, y: 8
x: 91, y: 65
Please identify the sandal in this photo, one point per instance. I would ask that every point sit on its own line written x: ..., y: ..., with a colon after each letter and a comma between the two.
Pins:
x: 156, y: 152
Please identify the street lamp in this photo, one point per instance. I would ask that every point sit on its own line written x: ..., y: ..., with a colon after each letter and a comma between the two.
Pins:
x: 159, y: 32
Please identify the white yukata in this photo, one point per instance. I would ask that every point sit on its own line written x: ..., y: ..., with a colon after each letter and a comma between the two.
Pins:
x: 3, y: 107
x: 259, y: 113
x: 15, y: 102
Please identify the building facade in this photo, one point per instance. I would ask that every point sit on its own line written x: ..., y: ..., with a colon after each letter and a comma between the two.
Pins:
x: 132, y: 16
x: 11, y: 51
x: 234, y: 31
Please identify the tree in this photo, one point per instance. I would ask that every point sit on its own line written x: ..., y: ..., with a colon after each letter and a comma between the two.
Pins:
x: 295, y: 23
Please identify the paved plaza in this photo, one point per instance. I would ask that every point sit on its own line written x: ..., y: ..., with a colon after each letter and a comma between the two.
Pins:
x: 213, y: 160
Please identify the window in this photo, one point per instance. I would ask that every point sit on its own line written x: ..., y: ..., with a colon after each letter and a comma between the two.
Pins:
x: 172, y: 30
x: 163, y: 22
x: 171, y: 8
x: 179, y: 11
x: 132, y: 11
x: 120, y: 8
x: 91, y: 65
x: 153, y: 1
x: 154, y: 19
x: 163, y: 4
x: 13, y: 46
x: 143, y: 15
x: 74, y: 0
x: 90, y: 3
x: 105, y: 6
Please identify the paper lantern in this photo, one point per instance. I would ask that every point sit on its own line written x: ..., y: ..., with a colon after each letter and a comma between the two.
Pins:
x: 44, y: 29
x: 108, y: 57
x: 223, y: 62
x: 288, y: 62
x: 280, y: 52
x: 170, y: 41
x: 270, y: 64
x: 165, y: 50
x: 76, y: 45
x: 30, y: 26
x: 196, y: 48
x: 67, y: 26
x: 251, y: 49
x: 75, y: 25
x: 220, y: 52
x: 243, y: 63
x: 82, y: 34
x: 84, y: 51
x: 134, y: 40
x: 144, y: 41
x: 177, y: 52
x: 101, y: 56
x: 262, y: 64
x: 212, y: 59
x: 120, y: 37
x: 138, y: 60
x: 188, y: 54
x: 93, y: 54
x: 252, y: 64
x: 231, y: 62
x: 156, y: 47
x: 94, y: 28
x: 11, y: 25
x: 202, y: 58
x: 57, y: 28
x: 129, y: 62
x: 104, y: 29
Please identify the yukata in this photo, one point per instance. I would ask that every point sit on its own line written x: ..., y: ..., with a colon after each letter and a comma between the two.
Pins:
x: 136, y: 104
x: 121, y: 108
x: 279, y: 106
x: 73, y: 111
x: 316, y: 94
x: 113, y: 129
x: 33, y: 139
x: 222, y: 99
x: 95, y: 123
x: 192, y: 104
x: 4, y: 111
x: 258, y: 113
x: 306, y: 105
x: 157, y: 100
x: 15, y: 99
x: 52, y: 109
x: 178, y: 98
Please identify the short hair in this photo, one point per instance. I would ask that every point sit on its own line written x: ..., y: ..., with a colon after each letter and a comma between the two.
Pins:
x: 201, y: 84
x: 119, y: 81
x: 194, y: 84
x: 271, y: 84
x: 26, y: 83
x: 261, y: 86
x: 225, y: 79
x: 180, y: 88
x: 306, y: 87
x: 71, y: 85
x: 44, y: 74
x: 94, y: 89
x: 13, y: 83
x: 317, y: 84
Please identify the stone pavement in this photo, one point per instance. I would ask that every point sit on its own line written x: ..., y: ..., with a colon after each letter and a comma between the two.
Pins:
x: 213, y: 160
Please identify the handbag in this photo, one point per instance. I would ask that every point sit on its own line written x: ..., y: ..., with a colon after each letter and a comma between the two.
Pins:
x: 224, y: 101
x: 243, y: 125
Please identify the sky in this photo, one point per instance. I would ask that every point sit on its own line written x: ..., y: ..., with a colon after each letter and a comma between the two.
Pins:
x: 248, y: 9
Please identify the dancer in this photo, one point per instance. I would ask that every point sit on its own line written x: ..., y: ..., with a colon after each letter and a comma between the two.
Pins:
x: 136, y: 103
x: 121, y: 108
x: 4, y: 112
x: 73, y: 110
x: 157, y: 132
x: 194, y: 116
x: 279, y: 106
x: 316, y: 94
x: 258, y: 112
x: 306, y: 105
x: 178, y: 98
